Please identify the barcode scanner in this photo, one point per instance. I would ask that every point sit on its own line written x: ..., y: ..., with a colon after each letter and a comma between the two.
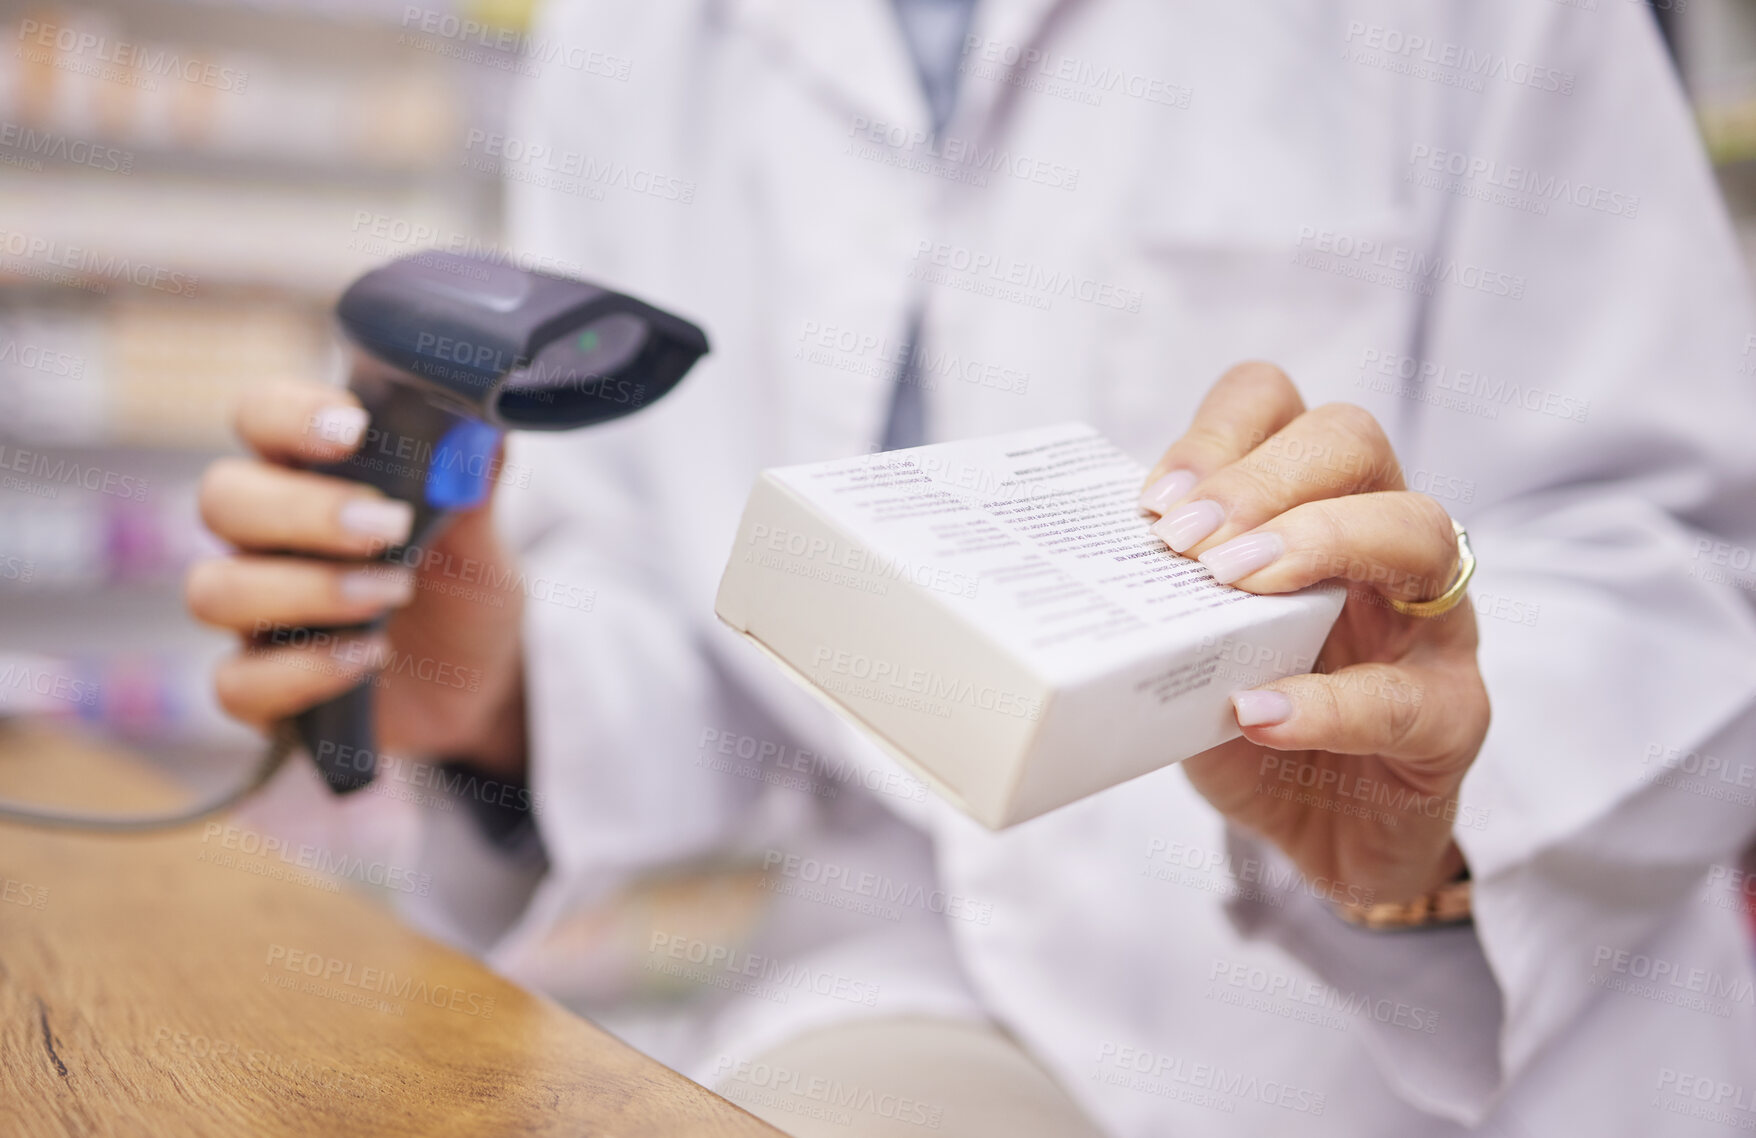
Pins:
x: 450, y: 353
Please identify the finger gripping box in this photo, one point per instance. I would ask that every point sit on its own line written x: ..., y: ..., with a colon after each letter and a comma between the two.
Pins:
x: 998, y: 616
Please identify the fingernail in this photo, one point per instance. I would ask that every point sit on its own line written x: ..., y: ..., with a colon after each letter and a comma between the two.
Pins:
x: 1167, y: 491
x: 383, y: 518
x: 1183, y: 527
x: 1242, y: 556
x: 340, y: 424
x: 378, y: 587
x: 1261, y: 708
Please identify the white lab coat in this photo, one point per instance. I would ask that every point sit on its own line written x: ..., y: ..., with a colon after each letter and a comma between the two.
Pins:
x: 1161, y: 189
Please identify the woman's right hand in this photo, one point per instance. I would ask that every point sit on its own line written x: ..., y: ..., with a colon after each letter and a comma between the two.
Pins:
x: 451, y: 683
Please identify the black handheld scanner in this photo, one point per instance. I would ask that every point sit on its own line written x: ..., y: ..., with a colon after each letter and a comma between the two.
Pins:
x: 451, y: 352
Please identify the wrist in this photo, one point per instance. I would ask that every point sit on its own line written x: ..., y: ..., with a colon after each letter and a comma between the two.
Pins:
x: 502, y: 746
x: 1451, y: 867
x: 1448, y: 902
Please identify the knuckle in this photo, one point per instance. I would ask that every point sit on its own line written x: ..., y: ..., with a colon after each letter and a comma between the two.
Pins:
x: 214, y: 490
x: 1405, y: 706
x: 1325, y: 533
x: 1322, y: 703
x: 1434, y: 558
x: 206, y: 588
x: 1427, y: 514
x: 1267, y: 388
x: 1483, y: 705
x: 233, y: 691
x: 1262, y: 379
x: 1314, y: 537
x: 296, y: 421
x: 1327, y: 527
x: 1467, y: 697
x: 276, y: 414
x: 1357, y: 424
x: 1207, y: 440
x: 1248, y: 490
x: 1334, y: 712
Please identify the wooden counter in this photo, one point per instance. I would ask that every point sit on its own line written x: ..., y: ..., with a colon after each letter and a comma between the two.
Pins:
x: 143, y: 991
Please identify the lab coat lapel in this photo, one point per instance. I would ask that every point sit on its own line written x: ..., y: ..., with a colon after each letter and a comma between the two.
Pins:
x: 850, y: 57
x: 851, y: 50
x: 854, y: 54
x: 1017, y: 24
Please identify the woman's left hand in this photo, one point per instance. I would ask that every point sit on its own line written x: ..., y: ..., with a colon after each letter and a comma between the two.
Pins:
x: 1353, y: 770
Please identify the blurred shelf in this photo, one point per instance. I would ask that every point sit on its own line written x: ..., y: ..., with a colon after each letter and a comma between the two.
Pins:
x: 134, y: 160
x: 311, y: 239
x: 89, y: 540
x: 510, y: 14
x: 144, y: 371
x: 308, y: 120
x: 165, y: 244
x: 143, y: 599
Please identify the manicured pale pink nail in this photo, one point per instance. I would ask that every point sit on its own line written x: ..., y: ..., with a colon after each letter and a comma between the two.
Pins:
x: 378, y: 586
x: 383, y: 518
x: 340, y: 424
x: 1242, y: 556
x: 1186, y: 525
x: 1167, y: 491
x: 1261, y: 708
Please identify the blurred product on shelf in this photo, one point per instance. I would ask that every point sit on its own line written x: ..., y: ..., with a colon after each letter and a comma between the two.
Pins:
x: 174, y: 367
x: 52, y: 387
x: 185, y: 147
x: 70, y: 536
x: 110, y: 74
x: 184, y: 187
x: 145, y: 698
x: 138, y: 372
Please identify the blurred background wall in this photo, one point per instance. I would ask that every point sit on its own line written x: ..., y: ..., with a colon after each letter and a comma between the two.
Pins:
x: 185, y: 185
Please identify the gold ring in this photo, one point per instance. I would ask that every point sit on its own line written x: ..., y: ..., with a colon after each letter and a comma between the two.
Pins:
x: 1448, y: 600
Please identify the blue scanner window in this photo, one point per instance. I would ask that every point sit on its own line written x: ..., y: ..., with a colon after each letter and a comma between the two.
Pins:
x: 458, y: 476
